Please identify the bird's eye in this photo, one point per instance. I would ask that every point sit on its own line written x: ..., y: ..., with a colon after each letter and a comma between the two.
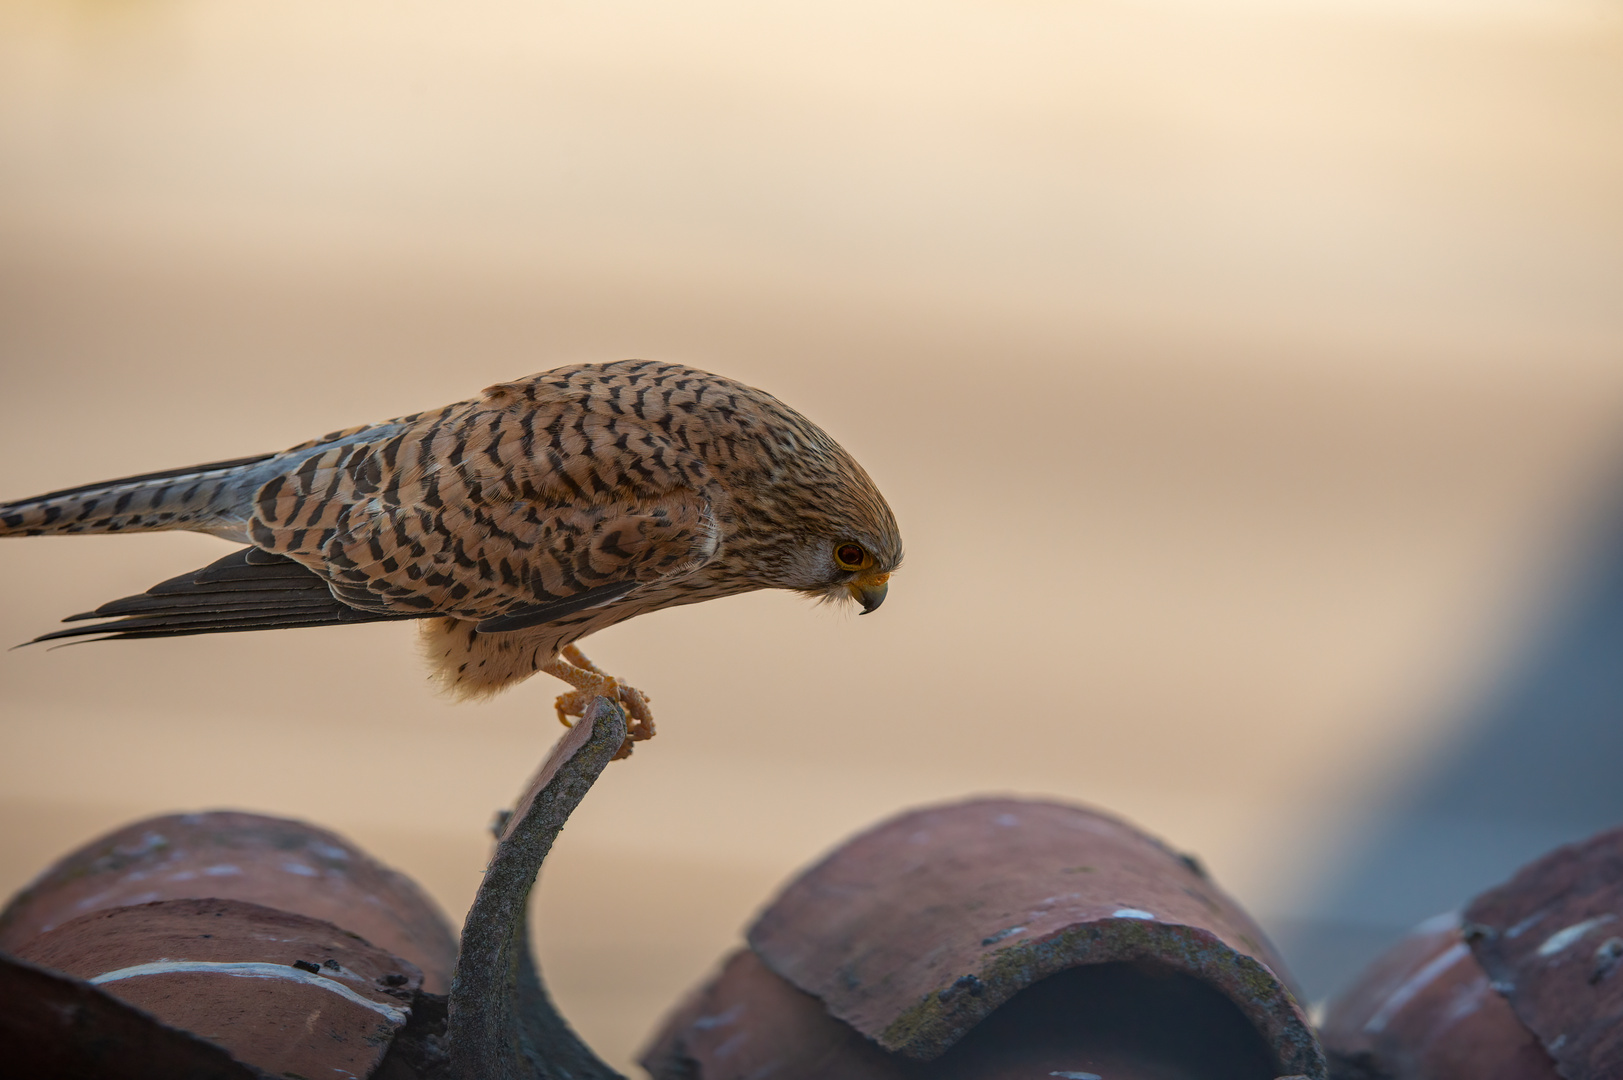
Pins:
x: 852, y: 557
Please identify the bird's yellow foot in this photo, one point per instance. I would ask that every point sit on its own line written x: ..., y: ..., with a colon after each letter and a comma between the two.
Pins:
x: 591, y: 682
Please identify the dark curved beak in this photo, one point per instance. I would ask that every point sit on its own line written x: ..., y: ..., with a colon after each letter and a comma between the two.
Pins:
x: 869, y: 596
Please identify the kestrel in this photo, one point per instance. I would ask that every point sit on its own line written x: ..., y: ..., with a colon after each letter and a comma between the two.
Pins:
x: 515, y: 523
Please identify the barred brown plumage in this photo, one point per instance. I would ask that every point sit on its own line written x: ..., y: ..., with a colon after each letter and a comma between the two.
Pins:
x: 516, y: 523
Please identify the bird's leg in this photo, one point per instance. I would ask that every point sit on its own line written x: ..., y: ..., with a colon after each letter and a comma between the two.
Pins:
x: 573, y: 654
x: 590, y: 682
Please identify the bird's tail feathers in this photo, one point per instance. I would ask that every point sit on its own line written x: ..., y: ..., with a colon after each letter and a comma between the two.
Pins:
x: 215, y: 498
x: 203, y: 498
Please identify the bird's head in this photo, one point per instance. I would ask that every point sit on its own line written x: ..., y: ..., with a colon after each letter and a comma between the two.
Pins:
x: 846, y: 544
x: 804, y: 515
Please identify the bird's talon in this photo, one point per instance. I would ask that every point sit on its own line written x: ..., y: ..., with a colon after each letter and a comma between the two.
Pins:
x: 573, y: 667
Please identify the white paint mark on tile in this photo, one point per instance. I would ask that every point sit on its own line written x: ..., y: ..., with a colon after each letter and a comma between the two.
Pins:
x: 721, y: 1019
x: 1448, y: 920
x: 1571, y: 935
x: 1001, y: 934
x: 1416, y: 983
x: 252, y: 970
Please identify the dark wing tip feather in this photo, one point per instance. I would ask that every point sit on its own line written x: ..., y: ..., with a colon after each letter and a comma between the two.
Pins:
x: 536, y: 614
x: 249, y: 589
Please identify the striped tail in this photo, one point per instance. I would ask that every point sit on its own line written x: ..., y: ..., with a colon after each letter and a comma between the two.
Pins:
x: 210, y: 498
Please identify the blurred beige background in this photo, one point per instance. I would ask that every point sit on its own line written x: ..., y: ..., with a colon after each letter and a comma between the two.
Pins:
x: 1240, y: 374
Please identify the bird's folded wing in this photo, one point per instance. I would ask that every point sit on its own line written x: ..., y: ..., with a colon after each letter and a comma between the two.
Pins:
x: 503, y: 564
x: 475, y: 512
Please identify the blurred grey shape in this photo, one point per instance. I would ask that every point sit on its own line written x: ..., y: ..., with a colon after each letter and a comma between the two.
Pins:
x: 1538, y: 764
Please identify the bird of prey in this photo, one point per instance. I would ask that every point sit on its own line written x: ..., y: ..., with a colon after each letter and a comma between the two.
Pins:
x: 514, y: 523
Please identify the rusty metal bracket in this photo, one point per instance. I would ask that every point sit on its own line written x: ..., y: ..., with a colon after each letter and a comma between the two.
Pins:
x: 502, y: 1025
